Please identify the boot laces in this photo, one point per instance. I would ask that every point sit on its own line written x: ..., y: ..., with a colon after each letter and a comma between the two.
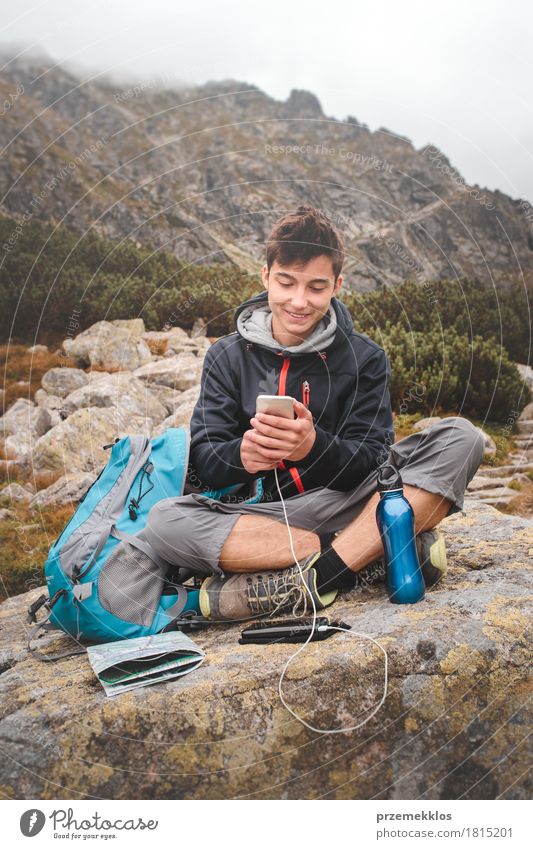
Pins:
x: 278, y: 591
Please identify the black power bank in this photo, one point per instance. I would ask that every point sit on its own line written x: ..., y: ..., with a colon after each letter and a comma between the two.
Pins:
x: 290, y: 631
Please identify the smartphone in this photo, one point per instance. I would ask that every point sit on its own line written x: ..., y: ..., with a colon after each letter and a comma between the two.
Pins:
x: 275, y: 405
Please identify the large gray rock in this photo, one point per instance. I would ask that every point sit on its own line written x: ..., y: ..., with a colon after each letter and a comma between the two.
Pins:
x: 134, y: 326
x: 67, y: 490
x: 25, y: 417
x: 490, y: 446
x: 62, y: 381
x: 526, y: 373
x: 169, y: 398
x: 180, y: 372
x: 15, y: 492
x: 76, y: 444
x: 181, y: 416
x: 117, y: 390
x: 160, y: 340
x: 49, y: 402
x: 527, y: 412
x: 454, y: 723
x: 110, y: 346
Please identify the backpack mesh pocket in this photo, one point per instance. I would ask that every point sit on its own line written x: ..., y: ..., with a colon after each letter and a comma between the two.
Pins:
x: 130, y: 585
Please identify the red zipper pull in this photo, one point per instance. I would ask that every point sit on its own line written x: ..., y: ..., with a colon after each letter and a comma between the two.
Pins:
x: 306, y: 393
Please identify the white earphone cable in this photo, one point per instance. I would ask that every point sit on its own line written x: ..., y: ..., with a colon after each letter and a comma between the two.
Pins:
x: 332, y: 628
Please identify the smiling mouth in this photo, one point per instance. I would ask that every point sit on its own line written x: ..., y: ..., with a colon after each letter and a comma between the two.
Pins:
x: 298, y: 314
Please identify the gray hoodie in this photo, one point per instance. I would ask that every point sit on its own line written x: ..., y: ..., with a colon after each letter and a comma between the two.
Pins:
x: 255, y: 324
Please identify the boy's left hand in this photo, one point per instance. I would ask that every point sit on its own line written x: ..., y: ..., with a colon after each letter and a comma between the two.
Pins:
x: 294, y: 437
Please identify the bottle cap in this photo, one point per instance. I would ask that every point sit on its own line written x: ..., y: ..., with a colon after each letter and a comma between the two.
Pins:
x: 386, y: 482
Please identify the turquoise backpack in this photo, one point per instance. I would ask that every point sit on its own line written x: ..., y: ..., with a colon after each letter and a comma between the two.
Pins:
x: 105, y: 582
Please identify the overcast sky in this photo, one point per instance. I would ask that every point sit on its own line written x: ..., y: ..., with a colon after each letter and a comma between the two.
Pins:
x: 458, y: 75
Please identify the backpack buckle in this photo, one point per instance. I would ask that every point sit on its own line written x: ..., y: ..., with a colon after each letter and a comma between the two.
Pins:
x: 33, y: 608
x: 43, y: 600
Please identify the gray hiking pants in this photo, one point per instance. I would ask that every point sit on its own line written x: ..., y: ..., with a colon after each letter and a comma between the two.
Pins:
x: 189, y: 531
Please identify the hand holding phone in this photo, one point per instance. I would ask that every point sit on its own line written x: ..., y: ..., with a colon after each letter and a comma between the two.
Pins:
x: 283, y: 424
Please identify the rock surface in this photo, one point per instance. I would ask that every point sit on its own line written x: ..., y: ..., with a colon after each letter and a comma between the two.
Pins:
x: 76, y: 444
x: 120, y: 390
x: 24, y: 417
x: 180, y: 372
x: 454, y: 723
x: 67, y: 490
x: 15, y: 492
x: 111, y: 345
x: 62, y: 381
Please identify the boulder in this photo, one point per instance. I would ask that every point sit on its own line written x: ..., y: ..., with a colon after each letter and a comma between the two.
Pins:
x: 180, y: 372
x: 26, y: 419
x: 526, y: 373
x: 118, y: 390
x: 181, y: 416
x: 490, y: 446
x: 113, y: 347
x: 199, y: 327
x: 134, y: 326
x: 67, y: 490
x: 453, y: 725
x: 18, y: 448
x: 6, y: 514
x: 41, y: 398
x: 63, y: 381
x: 527, y: 413
x: 480, y: 482
x: 38, y: 349
x: 169, y: 398
x: 160, y: 340
x: 16, y: 492
x: 76, y: 444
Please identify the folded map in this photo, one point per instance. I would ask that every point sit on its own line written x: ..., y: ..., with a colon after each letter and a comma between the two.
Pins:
x: 127, y: 664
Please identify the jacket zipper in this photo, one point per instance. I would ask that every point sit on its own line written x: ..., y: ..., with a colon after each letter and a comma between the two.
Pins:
x: 306, y: 393
x: 282, y: 391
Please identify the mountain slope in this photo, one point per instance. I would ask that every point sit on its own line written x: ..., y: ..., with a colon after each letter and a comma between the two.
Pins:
x: 204, y: 172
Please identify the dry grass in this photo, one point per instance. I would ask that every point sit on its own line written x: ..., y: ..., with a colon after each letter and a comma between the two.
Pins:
x: 522, y: 505
x: 22, y: 371
x: 26, y: 540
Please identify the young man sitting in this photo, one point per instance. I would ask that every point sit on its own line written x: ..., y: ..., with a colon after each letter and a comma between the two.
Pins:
x: 297, y: 339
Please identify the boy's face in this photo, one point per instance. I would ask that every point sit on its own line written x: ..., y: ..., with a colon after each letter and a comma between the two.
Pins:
x: 299, y: 296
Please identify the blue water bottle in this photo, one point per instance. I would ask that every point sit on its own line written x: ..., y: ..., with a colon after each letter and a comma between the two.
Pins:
x: 396, y: 523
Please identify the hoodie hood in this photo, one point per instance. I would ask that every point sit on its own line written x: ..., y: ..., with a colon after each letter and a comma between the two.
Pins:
x: 253, y: 321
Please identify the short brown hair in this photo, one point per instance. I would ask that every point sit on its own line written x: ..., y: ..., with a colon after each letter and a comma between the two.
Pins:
x: 303, y: 235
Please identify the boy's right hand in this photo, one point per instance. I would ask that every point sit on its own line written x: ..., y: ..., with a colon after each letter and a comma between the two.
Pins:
x: 257, y: 459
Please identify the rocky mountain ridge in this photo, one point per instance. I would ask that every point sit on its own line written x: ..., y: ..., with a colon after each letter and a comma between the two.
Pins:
x: 204, y: 171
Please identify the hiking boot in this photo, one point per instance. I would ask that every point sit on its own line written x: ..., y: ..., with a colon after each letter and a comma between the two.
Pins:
x: 247, y: 595
x: 431, y: 556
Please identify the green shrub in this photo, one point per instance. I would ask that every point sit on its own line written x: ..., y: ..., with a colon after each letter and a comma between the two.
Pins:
x: 434, y: 371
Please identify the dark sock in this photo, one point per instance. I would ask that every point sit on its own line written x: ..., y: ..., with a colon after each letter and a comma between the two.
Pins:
x: 332, y: 571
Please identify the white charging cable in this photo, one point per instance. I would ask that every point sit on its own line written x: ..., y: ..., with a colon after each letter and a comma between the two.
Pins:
x: 323, y: 627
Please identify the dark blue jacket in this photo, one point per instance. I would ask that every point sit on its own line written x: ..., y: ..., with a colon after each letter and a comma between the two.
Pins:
x: 349, y: 401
